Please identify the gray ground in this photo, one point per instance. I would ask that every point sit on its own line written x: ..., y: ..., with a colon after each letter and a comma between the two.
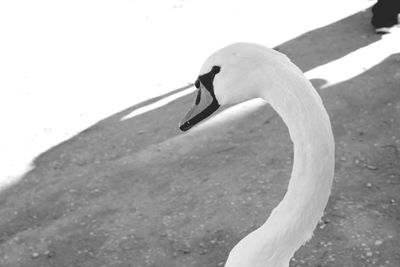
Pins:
x: 138, y: 193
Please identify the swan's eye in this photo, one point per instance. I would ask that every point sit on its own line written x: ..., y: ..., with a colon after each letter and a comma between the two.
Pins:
x: 198, y: 98
x: 197, y: 84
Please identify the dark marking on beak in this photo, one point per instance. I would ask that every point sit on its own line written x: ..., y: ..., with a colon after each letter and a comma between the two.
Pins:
x: 205, y: 104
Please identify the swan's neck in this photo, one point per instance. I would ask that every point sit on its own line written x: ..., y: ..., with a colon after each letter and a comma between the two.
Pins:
x: 292, y: 222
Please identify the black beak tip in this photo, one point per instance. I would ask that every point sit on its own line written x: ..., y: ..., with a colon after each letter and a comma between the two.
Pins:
x: 185, y: 126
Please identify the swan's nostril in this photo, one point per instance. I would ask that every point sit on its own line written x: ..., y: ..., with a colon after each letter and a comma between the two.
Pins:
x: 198, y: 97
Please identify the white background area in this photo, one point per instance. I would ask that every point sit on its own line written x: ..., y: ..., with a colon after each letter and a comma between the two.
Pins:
x: 64, y: 65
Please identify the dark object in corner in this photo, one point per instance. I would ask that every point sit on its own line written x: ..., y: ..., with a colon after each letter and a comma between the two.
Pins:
x: 385, y: 15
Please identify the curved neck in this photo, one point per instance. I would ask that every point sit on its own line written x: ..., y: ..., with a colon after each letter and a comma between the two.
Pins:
x: 292, y: 222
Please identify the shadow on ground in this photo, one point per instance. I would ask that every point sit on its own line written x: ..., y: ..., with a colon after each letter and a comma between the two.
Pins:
x: 139, y: 193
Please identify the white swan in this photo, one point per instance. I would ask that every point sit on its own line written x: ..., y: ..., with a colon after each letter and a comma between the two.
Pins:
x: 244, y: 71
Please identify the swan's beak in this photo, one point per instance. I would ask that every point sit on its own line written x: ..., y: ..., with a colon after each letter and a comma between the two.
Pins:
x: 204, y: 106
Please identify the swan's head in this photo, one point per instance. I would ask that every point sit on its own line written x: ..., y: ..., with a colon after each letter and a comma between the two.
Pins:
x: 229, y: 76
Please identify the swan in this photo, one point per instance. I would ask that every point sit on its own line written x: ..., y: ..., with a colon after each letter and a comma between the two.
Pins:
x: 243, y: 71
